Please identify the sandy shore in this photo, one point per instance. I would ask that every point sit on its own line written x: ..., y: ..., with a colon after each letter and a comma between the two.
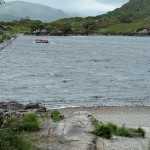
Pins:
x: 128, y: 116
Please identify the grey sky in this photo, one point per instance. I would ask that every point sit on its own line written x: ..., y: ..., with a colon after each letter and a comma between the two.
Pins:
x: 87, y: 7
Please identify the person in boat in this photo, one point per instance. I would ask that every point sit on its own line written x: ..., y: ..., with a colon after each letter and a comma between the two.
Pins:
x: 41, y: 41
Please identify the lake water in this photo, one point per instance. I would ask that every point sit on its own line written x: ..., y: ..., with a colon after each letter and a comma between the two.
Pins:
x: 77, y: 71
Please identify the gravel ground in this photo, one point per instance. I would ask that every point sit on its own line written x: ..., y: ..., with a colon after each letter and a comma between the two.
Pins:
x: 129, y: 116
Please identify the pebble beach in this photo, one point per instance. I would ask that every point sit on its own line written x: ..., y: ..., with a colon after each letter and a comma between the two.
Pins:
x: 132, y: 116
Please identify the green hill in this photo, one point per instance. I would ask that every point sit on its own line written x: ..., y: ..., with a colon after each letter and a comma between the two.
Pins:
x: 131, y: 18
x: 134, y: 9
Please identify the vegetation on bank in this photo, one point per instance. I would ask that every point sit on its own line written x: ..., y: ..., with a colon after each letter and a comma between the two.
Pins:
x: 13, y: 129
x: 56, y: 116
x: 11, y: 136
x: 110, y: 129
x: 6, y: 37
x: 28, y: 122
x: 10, y: 140
x: 131, y: 18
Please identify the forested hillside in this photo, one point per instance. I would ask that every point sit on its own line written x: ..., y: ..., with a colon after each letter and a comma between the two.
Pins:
x: 133, y: 18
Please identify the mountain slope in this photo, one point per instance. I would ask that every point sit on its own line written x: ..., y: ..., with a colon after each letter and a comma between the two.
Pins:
x: 18, y: 9
x: 131, y: 18
x: 7, y: 17
x: 133, y: 9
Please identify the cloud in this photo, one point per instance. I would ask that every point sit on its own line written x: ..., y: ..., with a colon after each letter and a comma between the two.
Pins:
x: 86, y: 7
x: 92, y: 6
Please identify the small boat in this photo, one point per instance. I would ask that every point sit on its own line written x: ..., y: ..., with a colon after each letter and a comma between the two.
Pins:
x: 41, y: 41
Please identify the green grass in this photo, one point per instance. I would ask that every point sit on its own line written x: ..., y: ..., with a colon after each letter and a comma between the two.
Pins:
x: 6, y: 36
x: 120, y: 28
x: 56, y: 116
x: 110, y: 129
x: 139, y: 132
x: 9, y: 140
x: 20, y: 29
x: 123, y: 131
x: 113, y: 128
x: 11, y: 136
x: 103, y: 131
x: 28, y: 122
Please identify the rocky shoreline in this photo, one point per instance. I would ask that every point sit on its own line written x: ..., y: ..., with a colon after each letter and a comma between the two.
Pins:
x: 75, y: 130
x: 139, y: 32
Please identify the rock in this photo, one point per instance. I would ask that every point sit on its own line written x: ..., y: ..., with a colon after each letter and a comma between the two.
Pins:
x: 75, y: 133
x: 12, y: 105
x: 144, y: 31
x: 72, y: 133
x: 36, y: 107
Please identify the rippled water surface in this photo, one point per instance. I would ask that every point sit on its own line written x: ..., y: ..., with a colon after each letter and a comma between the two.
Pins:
x: 76, y: 71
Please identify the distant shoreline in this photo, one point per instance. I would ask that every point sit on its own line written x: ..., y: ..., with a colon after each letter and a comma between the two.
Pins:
x: 89, y: 34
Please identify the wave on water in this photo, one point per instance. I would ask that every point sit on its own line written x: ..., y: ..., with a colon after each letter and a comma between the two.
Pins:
x: 77, y: 71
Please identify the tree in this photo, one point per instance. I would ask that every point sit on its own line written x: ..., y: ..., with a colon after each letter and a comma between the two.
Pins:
x: 2, y: 1
x: 5, y: 36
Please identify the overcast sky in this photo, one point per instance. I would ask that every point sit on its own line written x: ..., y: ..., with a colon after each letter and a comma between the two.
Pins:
x: 87, y: 7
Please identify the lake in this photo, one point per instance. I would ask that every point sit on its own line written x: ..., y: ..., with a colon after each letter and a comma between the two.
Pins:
x: 76, y: 71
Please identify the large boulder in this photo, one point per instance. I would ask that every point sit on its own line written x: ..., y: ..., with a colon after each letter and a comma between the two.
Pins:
x: 75, y: 133
x: 11, y: 106
x: 72, y: 133
x: 35, y: 107
x: 144, y: 31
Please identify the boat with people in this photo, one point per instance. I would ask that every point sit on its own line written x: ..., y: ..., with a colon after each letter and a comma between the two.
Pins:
x: 41, y: 41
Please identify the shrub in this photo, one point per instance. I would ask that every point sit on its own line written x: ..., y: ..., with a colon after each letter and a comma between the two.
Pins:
x: 10, y: 141
x: 141, y: 131
x: 30, y: 122
x: 56, y: 116
x: 15, y: 124
x: 123, y: 132
x: 103, y: 131
x: 110, y: 129
x: 27, y: 123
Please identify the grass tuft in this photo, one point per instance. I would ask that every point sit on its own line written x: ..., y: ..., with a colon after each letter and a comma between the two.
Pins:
x: 28, y: 122
x: 103, y: 131
x: 141, y: 131
x: 110, y: 129
x: 56, y: 116
x: 123, y: 131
